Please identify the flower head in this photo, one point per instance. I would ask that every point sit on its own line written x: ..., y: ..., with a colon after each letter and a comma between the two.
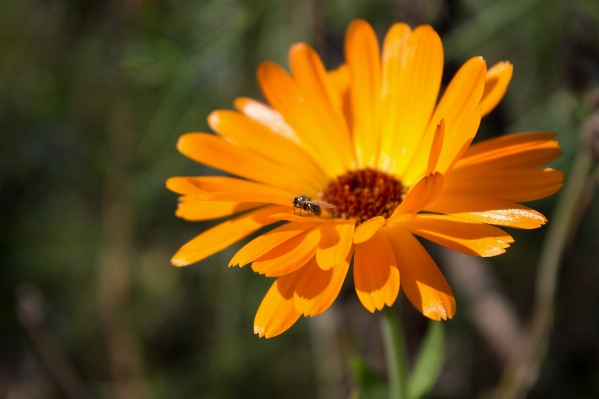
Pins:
x: 371, y: 140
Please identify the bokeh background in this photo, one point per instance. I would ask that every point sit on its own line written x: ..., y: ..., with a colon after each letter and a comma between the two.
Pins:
x: 93, y: 96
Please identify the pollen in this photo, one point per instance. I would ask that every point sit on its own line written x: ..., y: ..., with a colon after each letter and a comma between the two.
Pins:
x: 363, y: 194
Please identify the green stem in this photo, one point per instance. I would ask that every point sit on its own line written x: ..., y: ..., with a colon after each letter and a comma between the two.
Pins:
x: 395, y: 353
x: 560, y: 228
x: 521, y: 373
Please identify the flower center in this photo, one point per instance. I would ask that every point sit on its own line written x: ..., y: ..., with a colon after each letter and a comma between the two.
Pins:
x: 363, y: 194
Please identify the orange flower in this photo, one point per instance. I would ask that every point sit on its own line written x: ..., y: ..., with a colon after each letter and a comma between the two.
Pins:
x: 371, y: 139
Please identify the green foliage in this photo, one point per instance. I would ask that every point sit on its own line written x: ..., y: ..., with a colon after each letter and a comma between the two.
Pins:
x: 368, y: 383
x: 429, y: 362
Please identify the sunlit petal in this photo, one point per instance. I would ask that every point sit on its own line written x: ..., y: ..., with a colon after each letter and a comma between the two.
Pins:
x: 335, y: 245
x: 266, y: 116
x: 226, y: 196
x: 437, y: 146
x: 418, y: 91
x: 457, y: 107
x: 318, y: 288
x: 517, y: 185
x: 247, y: 132
x: 223, y: 235
x: 364, y: 62
x: 496, y: 81
x: 268, y: 241
x: 376, y: 275
x: 291, y: 254
x: 422, y: 194
x: 199, y: 185
x: 339, y: 79
x: 304, y: 217
x: 217, y: 152
x: 461, y: 235
x: 421, y: 279
x: 511, y: 151
x: 366, y: 230
x: 277, y: 313
x: 488, y: 210
x: 393, y: 60
x: 191, y: 209
x: 287, y: 97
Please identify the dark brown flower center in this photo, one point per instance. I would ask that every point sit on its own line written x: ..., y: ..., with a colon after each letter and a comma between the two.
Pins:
x: 363, y: 194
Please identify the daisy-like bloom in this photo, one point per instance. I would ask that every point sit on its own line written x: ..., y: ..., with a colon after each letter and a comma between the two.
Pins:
x: 372, y: 139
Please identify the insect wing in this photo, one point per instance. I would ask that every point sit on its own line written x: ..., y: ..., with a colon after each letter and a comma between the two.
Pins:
x: 322, y: 204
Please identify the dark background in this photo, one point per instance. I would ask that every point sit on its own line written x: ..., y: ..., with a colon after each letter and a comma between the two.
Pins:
x: 93, y: 96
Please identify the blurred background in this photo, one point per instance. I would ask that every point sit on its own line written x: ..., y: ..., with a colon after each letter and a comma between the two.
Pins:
x: 93, y: 97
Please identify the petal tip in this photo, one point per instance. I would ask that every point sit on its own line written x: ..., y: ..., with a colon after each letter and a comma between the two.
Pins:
x: 213, y: 120
x: 260, y: 330
x: 438, y: 310
x: 178, y: 262
x: 300, y: 46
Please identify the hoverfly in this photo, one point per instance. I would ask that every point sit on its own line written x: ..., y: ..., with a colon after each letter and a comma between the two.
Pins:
x: 303, y: 202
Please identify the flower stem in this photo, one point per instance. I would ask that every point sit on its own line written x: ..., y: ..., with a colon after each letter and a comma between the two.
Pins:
x: 521, y: 373
x: 395, y: 353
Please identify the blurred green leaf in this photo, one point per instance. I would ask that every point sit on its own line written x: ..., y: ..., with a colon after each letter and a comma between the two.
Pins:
x: 428, y: 363
x: 369, y: 383
x: 486, y: 23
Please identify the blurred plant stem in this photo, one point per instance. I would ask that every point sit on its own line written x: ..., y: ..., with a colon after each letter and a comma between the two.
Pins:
x: 493, y: 315
x: 114, y: 294
x: 325, y: 352
x: 395, y: 353
x: 522, y: 371
x: 33, y: 315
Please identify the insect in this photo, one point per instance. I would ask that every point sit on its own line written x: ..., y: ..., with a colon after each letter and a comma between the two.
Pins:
x: 303, y: 202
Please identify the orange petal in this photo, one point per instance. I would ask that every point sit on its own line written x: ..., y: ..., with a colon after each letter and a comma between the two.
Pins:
x: 464, y: 236
x: 416, y: 94
x: 229, y: 189
x: 223, y: 235
x: 334, y: 245
x: 421, y: 279
x: 488, y: 210
x: 191, y: 209
x: 290, y: 255
x: 462, y: 96
x: 268, y: 241
x: 366, y: 230
x: 181, y: 185
x: 242, y: 161
x: 277, y: 313
x: 200, y: 185
x: 457, y: 106
x: 322, y: 100
x: 461, y: 139
x: 304, y: 217
x: 288, y: 97
x: 339, y: 79
x: 227, y: 196
x: 376, y: 276
x: 433, y: 157
x: 498, y: 77
x: 517, y: 185
x: 511, y: 151
x: 422, y: 194
x: 266, y: 116
x: 247, y: 132
x: 318, y: 289
x: 393, y: 61
x: 364, y: 62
